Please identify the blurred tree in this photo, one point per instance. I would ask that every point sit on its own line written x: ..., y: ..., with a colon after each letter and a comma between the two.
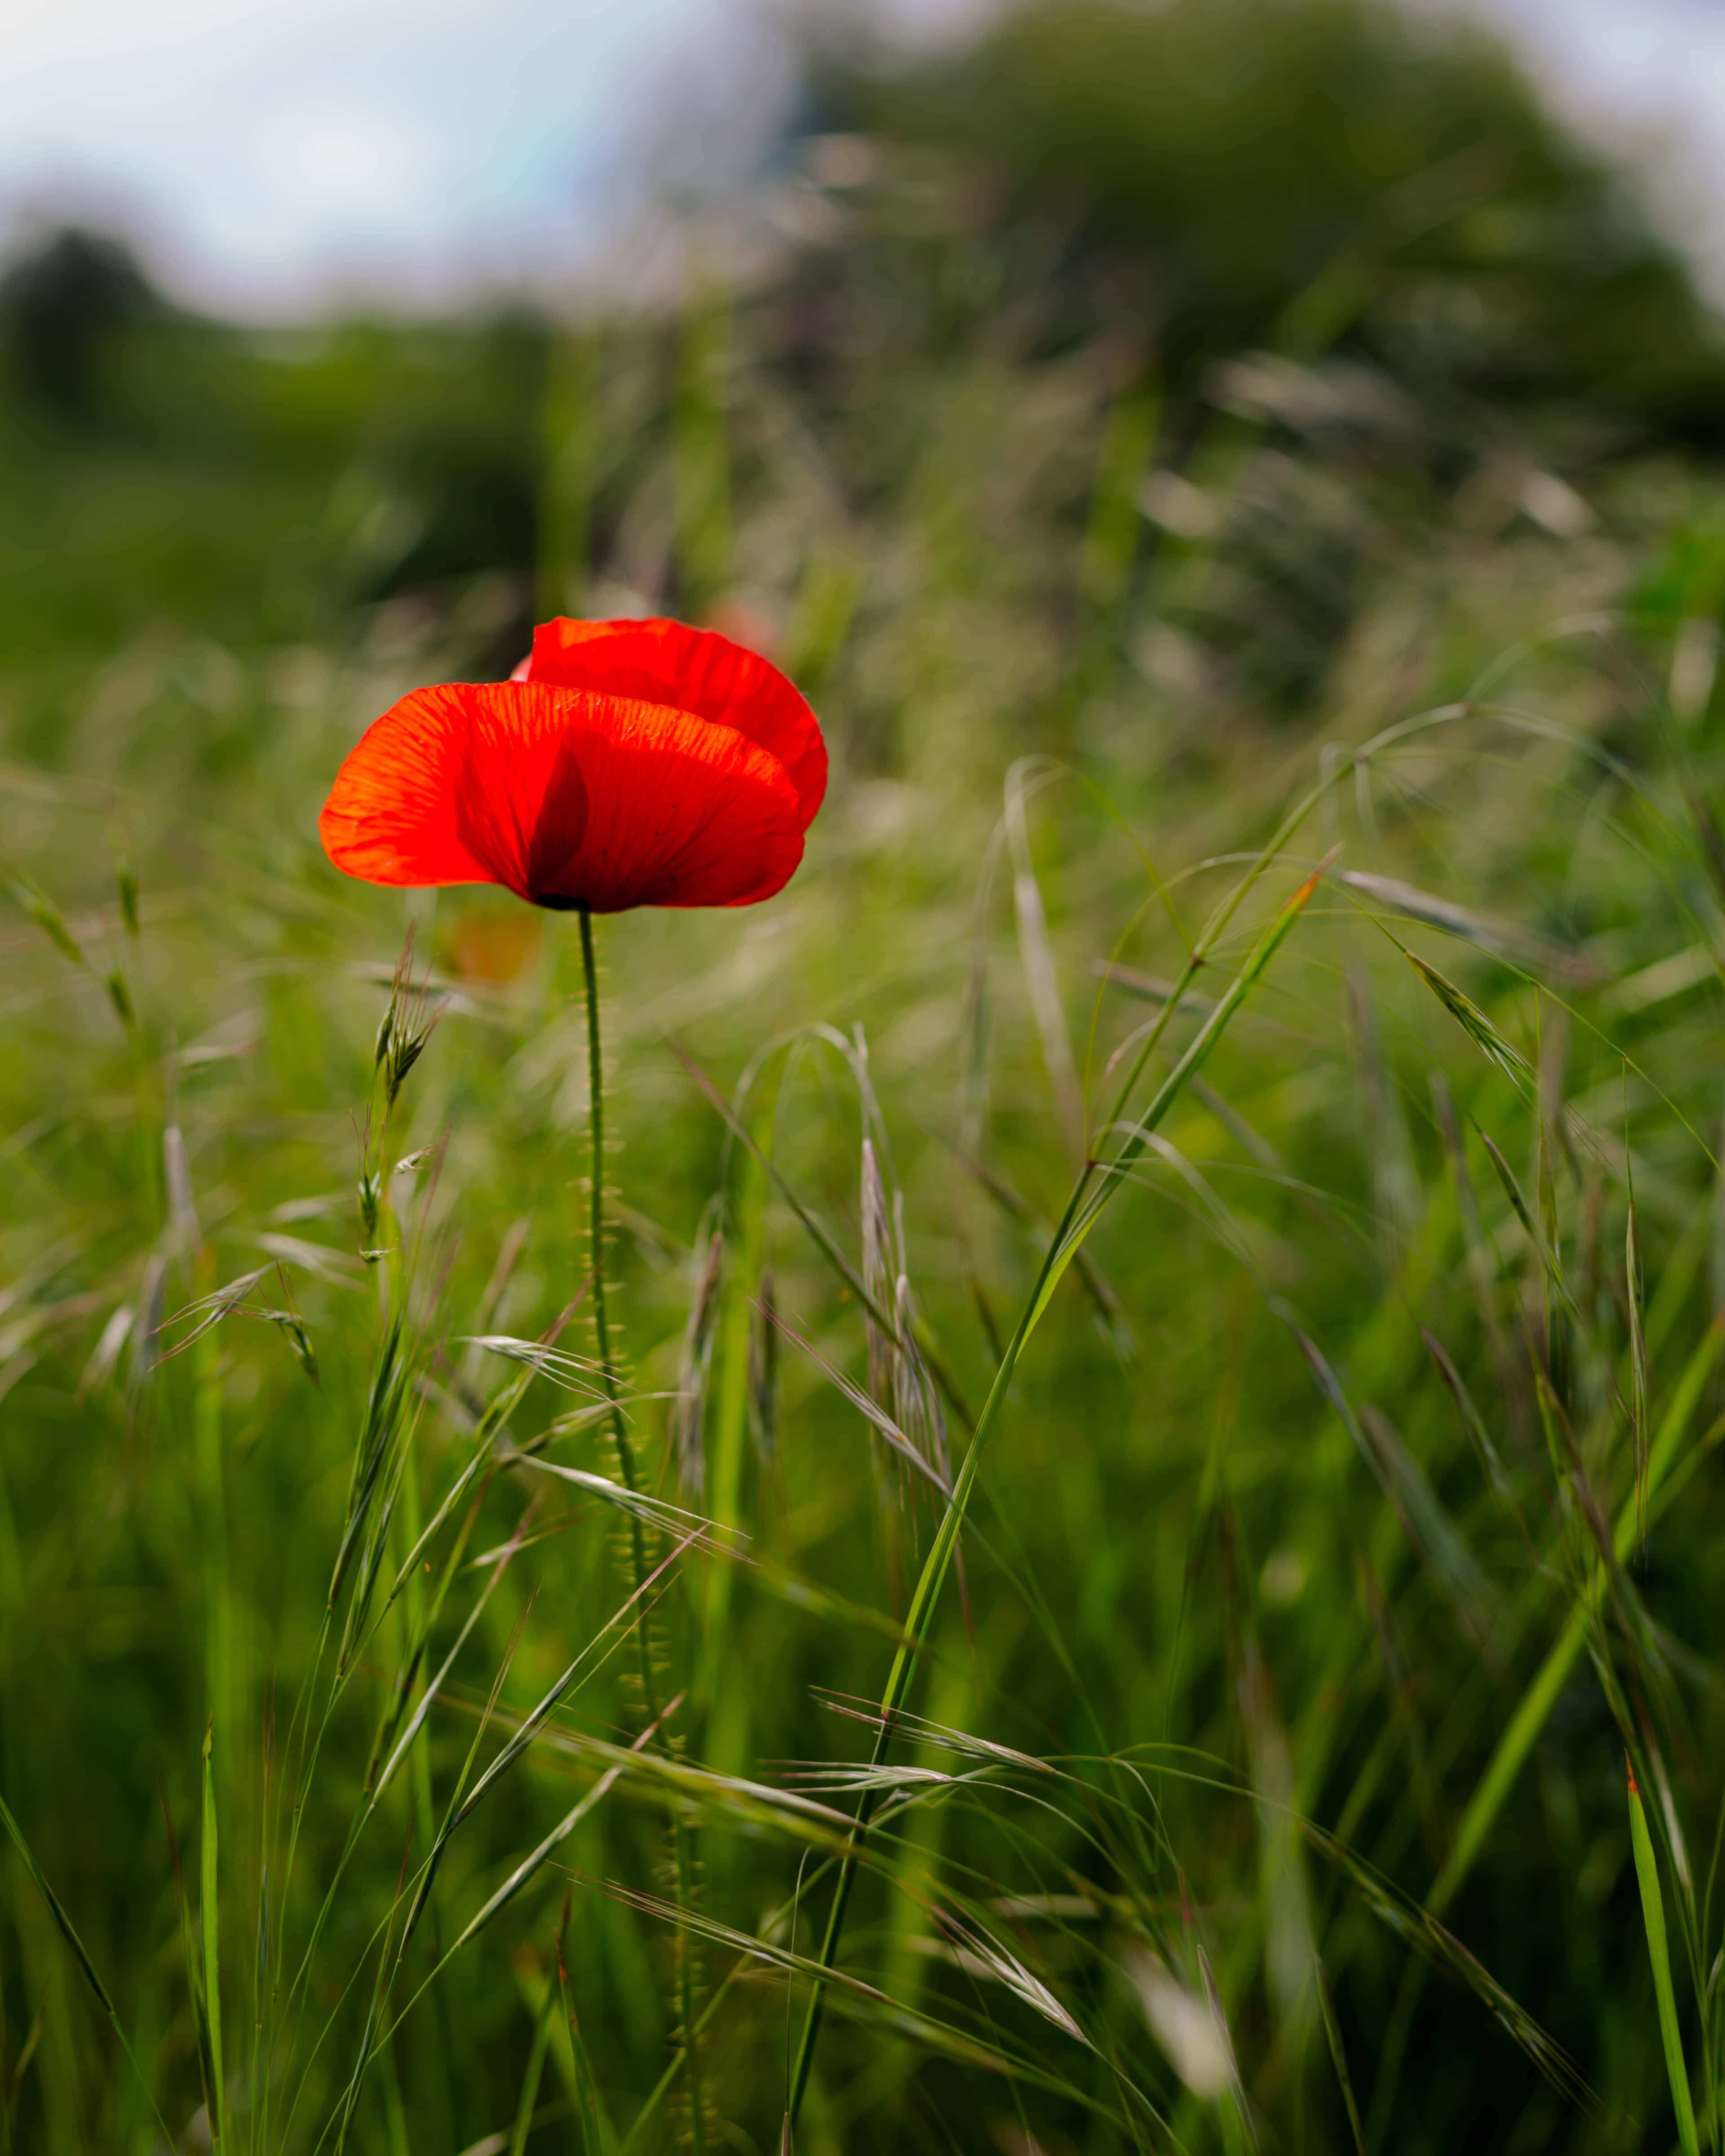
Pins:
x: 1295, y: 173
x: 61, y: 308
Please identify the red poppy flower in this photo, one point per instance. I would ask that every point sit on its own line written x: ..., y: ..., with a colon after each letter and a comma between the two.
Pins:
x: 630, y: 763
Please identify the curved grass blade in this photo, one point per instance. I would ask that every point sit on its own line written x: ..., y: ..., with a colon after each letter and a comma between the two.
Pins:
x: 866, y: 1999
x: 1083, y: 1208
x: 1419, y: 1929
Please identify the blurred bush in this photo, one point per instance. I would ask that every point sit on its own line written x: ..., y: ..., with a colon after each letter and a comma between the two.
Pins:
x: 62, y: 307
x: 1215, y: 174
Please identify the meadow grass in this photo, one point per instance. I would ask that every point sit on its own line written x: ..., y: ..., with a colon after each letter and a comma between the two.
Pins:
x: 1081, y: 1571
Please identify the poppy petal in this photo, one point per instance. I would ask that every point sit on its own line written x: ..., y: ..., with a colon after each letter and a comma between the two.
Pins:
x: 692, y: 669
x: 567, y: 797
x: 682, y: 812
x: 394, y: 814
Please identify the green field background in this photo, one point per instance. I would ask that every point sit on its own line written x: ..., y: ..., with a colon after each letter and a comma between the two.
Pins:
x: 1163, y: 502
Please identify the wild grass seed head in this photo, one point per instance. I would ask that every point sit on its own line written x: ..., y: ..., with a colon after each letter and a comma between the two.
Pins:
x: 408, y: 1021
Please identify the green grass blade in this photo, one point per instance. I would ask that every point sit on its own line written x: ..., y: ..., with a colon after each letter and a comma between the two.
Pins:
x: 574, y: 2064
x: 1653, y: 1918
x: 209, y: 1914
x: 1638, y: 1363
x: 1332, y: 2029
x: 56, y: 1910
x: 68, y: 1932
x: 1530, y: 1717
x: 535, y: 2068
x: 730, y: 1394
x: 1082, y: 1210
x: 1082, y: 1214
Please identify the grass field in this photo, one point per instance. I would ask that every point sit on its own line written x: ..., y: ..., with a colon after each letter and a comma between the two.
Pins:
x: 1270, y: 946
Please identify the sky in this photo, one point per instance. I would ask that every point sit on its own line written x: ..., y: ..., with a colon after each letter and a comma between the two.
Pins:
x: 272, y: 155
x: 265, y: 150
x: 1646, y: 78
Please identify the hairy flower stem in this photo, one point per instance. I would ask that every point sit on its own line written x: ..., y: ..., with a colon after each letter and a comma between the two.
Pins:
x: 626, y: 1460
x: 596, y: 1251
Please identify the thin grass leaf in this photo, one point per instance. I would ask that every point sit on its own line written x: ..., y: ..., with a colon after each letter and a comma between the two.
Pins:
x: 1435, y: 1537
x: 961, y: 1741
x: 684, y: 1788
x: 1536, y: 1236
x: 1530, y: 1716
x: 1083, y: 1208
x: 863, y: 1999
x: 20, y: 2068
x: 1439, y: 1541
x: 818, y: 1234
x: 1019, y: 1209
x: 688, y: 1420
x: 188, y: 1949
x: 882, y: 1345
x: 209, y: 1927
x: 527, y: 1730
x: 1236, y: 2087
x: 1041, y: 977
x: 487, y: 1430
x: 1338, y: 2056
x: 428, y: 1697
x: 1653, y: 1921
x: 1418, y: 1927
x: 799, y: 1593
x: 1637, y: 1366
x: 529, y: 2097
x: 872, y: 1413
x: 531, y: 1864
x: 596, y: 2136
x: 1083, y: 1214
x: 64, y: 1925
x: 1473, y: 1421
x: 56, y: 1910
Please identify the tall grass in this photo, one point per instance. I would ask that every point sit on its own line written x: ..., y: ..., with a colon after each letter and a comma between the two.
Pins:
x: 1027, y: 1499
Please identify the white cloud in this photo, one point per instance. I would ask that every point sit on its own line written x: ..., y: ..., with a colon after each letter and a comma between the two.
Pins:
x: 275, y: 141
x: 268, y: 147
x: 349, y: 161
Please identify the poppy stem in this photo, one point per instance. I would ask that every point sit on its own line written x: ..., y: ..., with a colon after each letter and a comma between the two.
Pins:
x: 626, y: 1460
x: 596, y: 1226
x: 600, y: 1323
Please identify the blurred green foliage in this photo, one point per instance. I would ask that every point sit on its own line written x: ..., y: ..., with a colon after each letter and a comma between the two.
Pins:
x: 63, y: 307
x: 282, y: 478
x: 1212, y: 175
